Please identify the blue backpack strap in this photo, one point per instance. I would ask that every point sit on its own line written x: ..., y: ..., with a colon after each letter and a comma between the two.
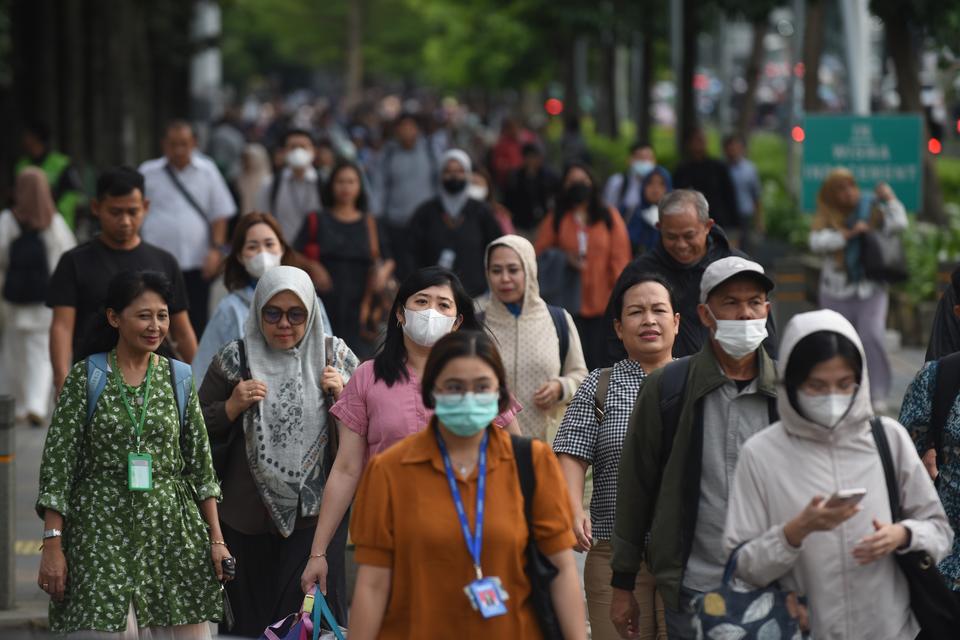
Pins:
x: 181, y: 378
x: 98, y: 372
x: 559, y: 318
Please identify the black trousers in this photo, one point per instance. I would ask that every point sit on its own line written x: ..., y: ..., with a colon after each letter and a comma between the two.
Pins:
x: 198, y: 296
x: 269, y: 566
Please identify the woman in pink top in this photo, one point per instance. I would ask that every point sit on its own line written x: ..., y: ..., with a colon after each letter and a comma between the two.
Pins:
x: 382, y: 403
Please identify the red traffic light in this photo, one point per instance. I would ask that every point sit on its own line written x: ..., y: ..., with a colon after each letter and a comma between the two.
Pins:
x: 797, y: 134
x: 553, y: 106
x: 934, y: 146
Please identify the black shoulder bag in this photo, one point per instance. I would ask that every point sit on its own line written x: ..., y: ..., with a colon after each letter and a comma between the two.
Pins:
x: 944, y: 394
x: 539, y: 569
x: 935, y: 606
x: 220, y: 448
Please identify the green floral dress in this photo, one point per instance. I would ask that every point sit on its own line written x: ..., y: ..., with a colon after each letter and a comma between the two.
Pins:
x: 148, y: 547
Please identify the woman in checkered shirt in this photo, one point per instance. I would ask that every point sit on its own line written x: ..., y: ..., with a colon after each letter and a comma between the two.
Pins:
x: 592, y: 433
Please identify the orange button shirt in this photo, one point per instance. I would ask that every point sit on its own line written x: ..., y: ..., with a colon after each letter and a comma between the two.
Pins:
x: 404, y: 519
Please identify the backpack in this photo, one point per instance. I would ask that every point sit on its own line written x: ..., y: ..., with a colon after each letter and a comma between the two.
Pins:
x: 28, y: 273
x: 945, y: 392
x: 560, y: 325
x: 181, y: 378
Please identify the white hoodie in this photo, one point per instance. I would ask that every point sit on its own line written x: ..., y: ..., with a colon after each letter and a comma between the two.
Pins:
x: 783, y: 467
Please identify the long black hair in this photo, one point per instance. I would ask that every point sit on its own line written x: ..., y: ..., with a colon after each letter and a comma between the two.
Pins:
x: 361, y: 203
x: 596, y: 210
x: 813, y: 349
x: 390, y: 363
x: 123, y: 289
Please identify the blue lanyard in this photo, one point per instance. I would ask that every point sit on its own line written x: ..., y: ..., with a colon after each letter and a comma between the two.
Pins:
x: 475, y: 541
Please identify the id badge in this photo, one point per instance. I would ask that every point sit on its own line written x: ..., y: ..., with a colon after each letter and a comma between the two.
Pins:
x: 140, y: 472
x: 447, y: 258
x: 487, y: 596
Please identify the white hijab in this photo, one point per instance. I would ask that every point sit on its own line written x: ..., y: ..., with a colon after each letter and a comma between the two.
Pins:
x: 286, y: 433
x: 453, y: 204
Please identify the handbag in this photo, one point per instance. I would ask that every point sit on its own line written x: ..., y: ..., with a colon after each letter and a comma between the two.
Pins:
x: 883, y: 257
x: 305, y: 624
x: 220, y: 447
x: 933, y: 603
x: 540, y: 571
x: 727, y: 612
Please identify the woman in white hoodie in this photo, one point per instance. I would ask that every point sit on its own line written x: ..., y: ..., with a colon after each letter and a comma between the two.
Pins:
x: 840, y: 556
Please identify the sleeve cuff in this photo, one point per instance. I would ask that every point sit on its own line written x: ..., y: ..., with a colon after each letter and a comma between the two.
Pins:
x: 52, y: 502
x: 557, y: 543
x: 374, y: 556
x: 208, y: 490
x: 625, y: 580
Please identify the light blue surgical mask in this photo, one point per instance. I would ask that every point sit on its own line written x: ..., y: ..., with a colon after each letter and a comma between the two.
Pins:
x: 642, y: 167
x: 466, y: 414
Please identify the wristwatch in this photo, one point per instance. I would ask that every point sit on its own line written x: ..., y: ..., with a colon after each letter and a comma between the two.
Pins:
x: 51, y: 533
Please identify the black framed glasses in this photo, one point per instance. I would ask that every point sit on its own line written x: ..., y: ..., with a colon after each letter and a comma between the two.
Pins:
x: 295, y: 315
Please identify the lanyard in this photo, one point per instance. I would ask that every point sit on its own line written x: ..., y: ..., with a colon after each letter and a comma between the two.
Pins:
x: 137, y: 424
x: 474, y: 542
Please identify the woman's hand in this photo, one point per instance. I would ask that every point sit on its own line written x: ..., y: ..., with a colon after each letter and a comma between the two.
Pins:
x: 331, y: 382
x: 315, y: 573
x: 887, y: 539
x: 219, y: 553
x: 53, y: 569
x: 883, y: 192
x: 583, y: 530
x: 857, y: 230
x: 246, y: 394
x: 817, y: 516
x: 930, y: 463
x: 548, y: 395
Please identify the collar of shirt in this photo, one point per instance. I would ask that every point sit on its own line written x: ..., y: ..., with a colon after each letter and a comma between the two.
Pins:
x: 425, y: 448
x: 310, y: 175
x: 193, y: 164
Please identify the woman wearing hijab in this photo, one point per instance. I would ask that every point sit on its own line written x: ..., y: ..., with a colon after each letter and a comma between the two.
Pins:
x: 543, y: 378
x: 255, y: 172
x: 838, y: 553
x: 453, y: 230
x: 33, y: 236
x: 843, y: 217
x: 263, y: 402
x: 642, y: 223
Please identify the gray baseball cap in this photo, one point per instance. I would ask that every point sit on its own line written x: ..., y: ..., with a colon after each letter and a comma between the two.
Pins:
x: 722, y: 270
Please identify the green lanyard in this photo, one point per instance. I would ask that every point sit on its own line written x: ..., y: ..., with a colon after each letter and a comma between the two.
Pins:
x: 137, y: 424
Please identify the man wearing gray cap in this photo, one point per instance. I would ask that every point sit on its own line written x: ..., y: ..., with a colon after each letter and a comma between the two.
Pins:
x: 681, y: 449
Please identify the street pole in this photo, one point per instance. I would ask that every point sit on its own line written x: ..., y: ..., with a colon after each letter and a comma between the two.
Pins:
x: 8, y: 504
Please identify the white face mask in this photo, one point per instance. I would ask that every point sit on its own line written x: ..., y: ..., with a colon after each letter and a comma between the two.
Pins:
x: 739, y: 338
x: 477, y: 192
x: 426, y: 327
x: 641, y: 167
x: 651, y: 215
x: 262, y: 262
x: 826, y: 411
x: 299, y: 158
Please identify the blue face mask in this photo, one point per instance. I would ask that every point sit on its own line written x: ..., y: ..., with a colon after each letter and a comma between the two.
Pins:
x: 466, y: 414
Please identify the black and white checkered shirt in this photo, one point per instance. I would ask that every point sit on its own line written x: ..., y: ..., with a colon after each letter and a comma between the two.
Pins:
x: 600, y: 444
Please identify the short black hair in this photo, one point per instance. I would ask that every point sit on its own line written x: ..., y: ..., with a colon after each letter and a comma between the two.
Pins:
x: 632, y: 279
x: 39, y: 130
x: 531, y: 149
x: 640, y: 144
x: 296, y: 131
x: 733, y: 137
x: 813, y: 349
x: 179, y: 123
x: 407, y: 115
x: 119, y: 181
x: 955, y: 284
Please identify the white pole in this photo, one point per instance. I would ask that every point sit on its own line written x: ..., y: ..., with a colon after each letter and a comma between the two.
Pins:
x: 856, y: 29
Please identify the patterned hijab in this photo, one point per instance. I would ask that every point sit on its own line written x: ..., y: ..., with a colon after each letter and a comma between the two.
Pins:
x: 33, y: 205
x: 286, y: 433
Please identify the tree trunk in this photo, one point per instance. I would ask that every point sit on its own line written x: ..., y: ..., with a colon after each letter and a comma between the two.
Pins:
x: 900, y: 45
x: 644, y: 116
x: 571, y: 96
x: 607, y: 111
x: 354, y: 53
x: 812, y: 50
x: 687, y: 111
x: 748, y: 106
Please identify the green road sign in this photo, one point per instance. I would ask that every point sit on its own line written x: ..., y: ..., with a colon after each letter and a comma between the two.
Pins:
x: 876, y: 149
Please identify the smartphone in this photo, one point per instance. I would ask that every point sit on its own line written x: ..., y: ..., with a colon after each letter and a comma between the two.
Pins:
x: 846, y: 498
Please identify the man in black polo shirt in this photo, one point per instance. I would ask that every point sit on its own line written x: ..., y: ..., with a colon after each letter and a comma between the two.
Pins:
x: 78, y: 286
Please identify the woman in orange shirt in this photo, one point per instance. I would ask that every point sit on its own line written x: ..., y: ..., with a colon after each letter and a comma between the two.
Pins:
x: 596, y: 243
x: 424, y: 571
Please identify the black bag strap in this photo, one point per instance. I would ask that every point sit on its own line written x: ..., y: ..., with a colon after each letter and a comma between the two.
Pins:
x: 242, y: 356
x: 274, y: 190
x: 624, y: 187
x: 186, y: 194
x: 944, y: 394
x: 559, y: 318
x: 883, y: 448
x: 523, y: 453
x: 673, y: 386
x: 600, y: 395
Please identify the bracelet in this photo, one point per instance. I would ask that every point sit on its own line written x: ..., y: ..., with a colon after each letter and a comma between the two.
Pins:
x: 318, y: 555
x: 212, y: 542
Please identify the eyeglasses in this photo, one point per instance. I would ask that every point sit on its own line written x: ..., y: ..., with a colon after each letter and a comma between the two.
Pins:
x: 457, y: 397
x: 294, y: 315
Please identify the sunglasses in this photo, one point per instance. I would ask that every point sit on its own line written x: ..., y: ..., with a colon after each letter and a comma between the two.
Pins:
x: 295, y: 315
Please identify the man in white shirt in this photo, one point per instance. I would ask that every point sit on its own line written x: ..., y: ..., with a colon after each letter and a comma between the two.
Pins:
x: 190, y: 206
x: 622, y: 190
x: 297, y: 193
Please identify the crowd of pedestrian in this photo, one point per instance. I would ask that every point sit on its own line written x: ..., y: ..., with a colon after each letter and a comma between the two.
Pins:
x: 477, y: 366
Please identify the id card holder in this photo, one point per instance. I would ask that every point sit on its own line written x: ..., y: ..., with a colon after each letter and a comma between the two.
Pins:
x: 487, y: 596
x: 140, y: 472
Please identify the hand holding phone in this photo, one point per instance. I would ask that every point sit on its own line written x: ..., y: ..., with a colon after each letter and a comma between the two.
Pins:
x: 846, y: 498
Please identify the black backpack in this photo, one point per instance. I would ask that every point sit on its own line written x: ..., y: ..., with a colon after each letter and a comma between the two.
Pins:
x: 28, y: 274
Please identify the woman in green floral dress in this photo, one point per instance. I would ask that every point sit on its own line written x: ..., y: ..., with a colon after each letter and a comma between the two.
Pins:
x: 130, y: 489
